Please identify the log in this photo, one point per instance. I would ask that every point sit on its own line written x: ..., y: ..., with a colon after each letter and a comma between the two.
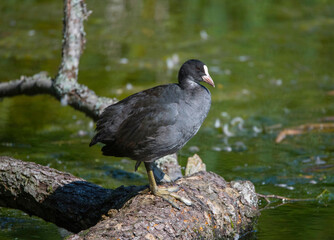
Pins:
x: 61, y: 198
x: 220, y: 209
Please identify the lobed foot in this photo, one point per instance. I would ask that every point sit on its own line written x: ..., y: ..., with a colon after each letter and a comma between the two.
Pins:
x: 169, y: 195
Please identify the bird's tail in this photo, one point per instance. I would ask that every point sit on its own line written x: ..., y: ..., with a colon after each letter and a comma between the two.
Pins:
x: 94, y: 141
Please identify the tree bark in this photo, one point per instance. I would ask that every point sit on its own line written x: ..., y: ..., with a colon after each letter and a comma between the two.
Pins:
x: 68, y: 201
x: 37, y: 84
x: 219, y: 209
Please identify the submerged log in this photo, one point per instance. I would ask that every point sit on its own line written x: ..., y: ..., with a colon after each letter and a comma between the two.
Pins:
x: 220, y: 209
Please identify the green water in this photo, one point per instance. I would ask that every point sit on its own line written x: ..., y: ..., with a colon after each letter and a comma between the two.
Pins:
x: 272, y: 62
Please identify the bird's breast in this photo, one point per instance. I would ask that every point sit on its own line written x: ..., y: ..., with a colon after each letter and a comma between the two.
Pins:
x: 195, y: 109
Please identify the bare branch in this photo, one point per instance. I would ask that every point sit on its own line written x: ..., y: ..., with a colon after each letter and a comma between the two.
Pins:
x: 75, y: 13
x: 40, y: 83
x: 64, y: 86
x: 68, y: 91
x: 282, y: 198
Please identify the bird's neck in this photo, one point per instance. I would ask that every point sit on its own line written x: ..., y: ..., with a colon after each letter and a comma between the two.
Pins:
x: 189, y: 83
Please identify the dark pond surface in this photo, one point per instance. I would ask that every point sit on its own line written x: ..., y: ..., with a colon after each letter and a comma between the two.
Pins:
x: 272, y: 62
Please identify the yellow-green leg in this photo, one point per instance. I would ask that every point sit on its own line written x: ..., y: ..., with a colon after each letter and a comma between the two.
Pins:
x: 165, y: 193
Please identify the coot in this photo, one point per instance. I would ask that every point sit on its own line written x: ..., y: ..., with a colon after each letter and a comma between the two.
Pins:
x: 156, y: 122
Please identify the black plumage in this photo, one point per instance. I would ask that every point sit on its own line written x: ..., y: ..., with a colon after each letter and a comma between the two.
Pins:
x: 159, y: 121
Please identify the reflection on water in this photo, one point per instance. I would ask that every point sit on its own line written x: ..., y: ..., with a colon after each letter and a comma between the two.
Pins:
x: 271, y: 62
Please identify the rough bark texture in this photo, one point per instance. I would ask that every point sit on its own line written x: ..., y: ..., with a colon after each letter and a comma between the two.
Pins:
x: 194, y: 164
x: 67, y: 89
x: 37, y: 84
x: 220, y: 209
x: 61, y: 198
x: 167, y: 165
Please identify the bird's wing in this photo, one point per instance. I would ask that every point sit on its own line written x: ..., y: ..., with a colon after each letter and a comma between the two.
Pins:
x: 149, y: 118
x: 138, y: 118
x: 146, y: 123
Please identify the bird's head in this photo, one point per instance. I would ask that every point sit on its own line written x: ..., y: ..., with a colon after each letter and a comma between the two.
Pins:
x: 196, y: 71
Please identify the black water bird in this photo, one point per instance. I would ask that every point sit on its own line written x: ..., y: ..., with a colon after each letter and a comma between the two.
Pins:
x: 156, y: 122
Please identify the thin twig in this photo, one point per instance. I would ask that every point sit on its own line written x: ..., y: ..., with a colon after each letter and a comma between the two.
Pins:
x: 305, y: 128
x: 268, y: 206
x: 284, y: 200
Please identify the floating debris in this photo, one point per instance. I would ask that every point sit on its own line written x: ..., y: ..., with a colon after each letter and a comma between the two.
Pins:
x: 227, y: 149
x: 283, y: 185
x: 217, y: 123
x: 330, y: 93
x: 277, y: 82
x: 327, y: 119
x: 225, y: 115
x: 257, y: 129
x: 239, y: 146
x: 245, y: 91
x: 124, y: 61
x: 119, y: 91
x: 225, y: 141
x: 128, y: 86
x: 226, y: 131
x: 172, y: 61
x: 204, y: 35
x: 79, y: 122
x: 227, y: 72
x: 243, y: 58
x: 82, y: 133
x: 125, y: 161
x: 273, y: 127
x: 307, y: 160
x: 217, y: 149
x: 193, y: 149
x: 239, y: 121
x: 318, y: 161
x: 305, y: 128
x: 31, y: 33
x: 216, y: 69
x: 107, y: 68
